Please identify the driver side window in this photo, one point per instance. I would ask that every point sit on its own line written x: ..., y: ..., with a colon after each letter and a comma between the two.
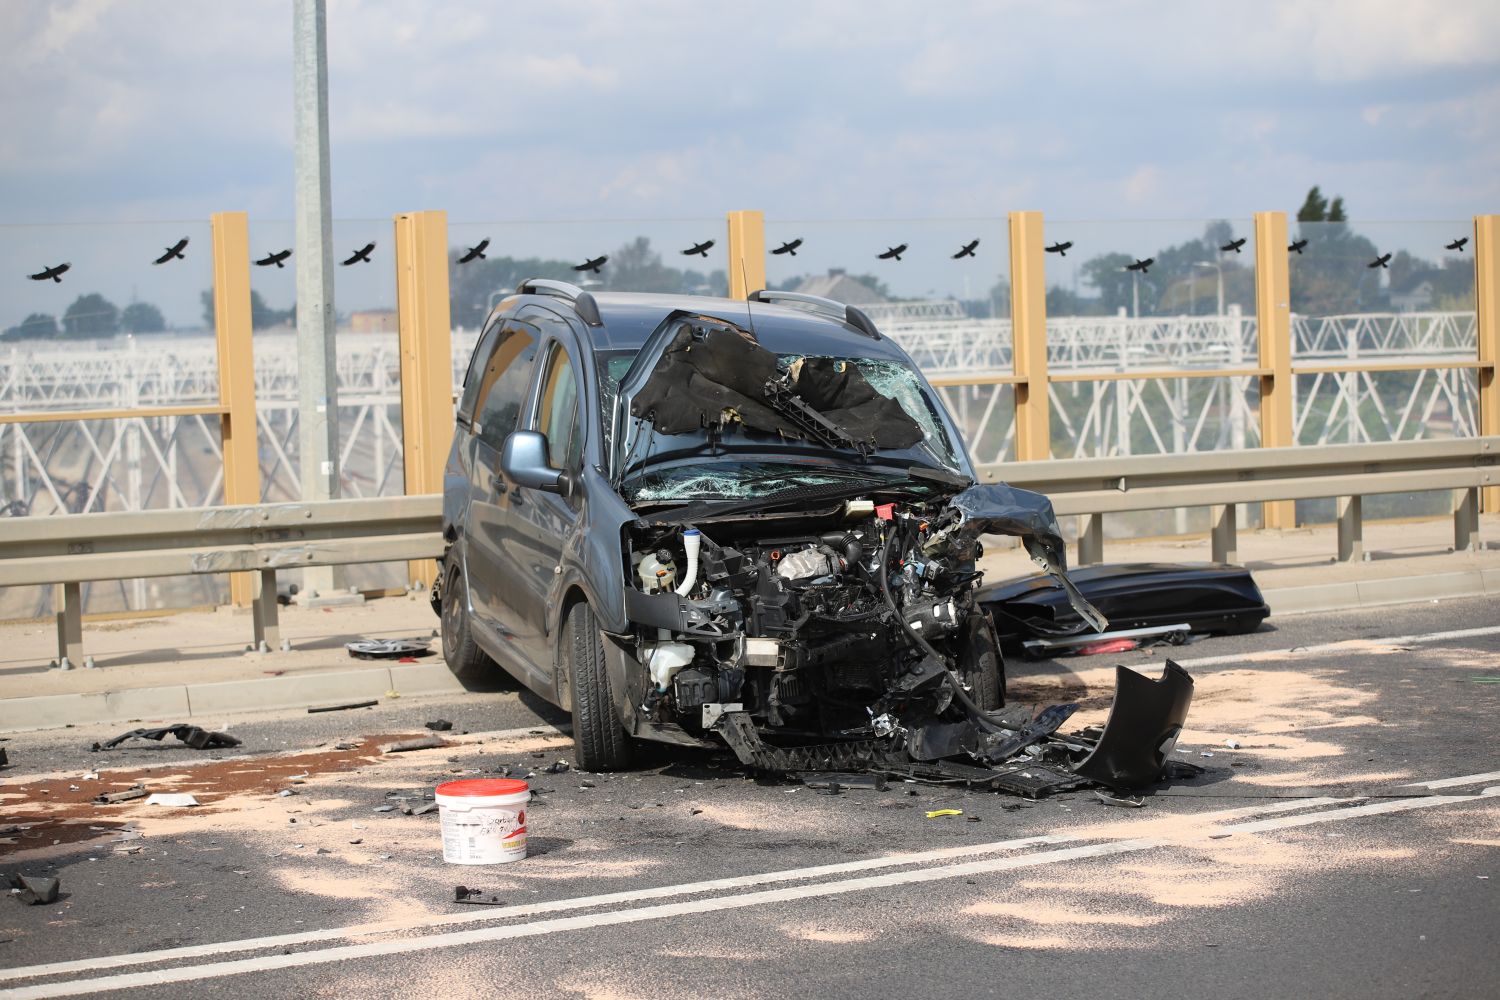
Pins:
x: 503, y: 384
x: 557, y: 411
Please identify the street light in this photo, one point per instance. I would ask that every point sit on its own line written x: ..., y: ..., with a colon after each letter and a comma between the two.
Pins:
x: 1219, y: 272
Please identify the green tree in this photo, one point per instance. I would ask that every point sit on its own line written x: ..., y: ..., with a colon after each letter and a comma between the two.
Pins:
x: 1315, y: 207
x: 1331, y: 275
x: 475, y: 287
x: 635, y: 267
x: 262, y: 316
x: 142, y: 317
x: 91, y: 315
x: 37, y: 326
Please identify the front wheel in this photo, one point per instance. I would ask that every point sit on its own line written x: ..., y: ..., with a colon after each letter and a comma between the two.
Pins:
x: 980, y: 664
x: 599, y: 741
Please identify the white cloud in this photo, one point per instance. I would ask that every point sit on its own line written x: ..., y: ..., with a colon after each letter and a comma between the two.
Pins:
x: 820, y: 107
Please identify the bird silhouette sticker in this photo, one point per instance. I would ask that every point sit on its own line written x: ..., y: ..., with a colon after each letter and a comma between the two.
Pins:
x: 1296, y: 248
x: 892, y: 253
x: 55, y: 273
x: 593, y: 264
x: 789, y: 247
x: 1384, y: 260
x: 1143, y: 266
x: 701, y: 249
x: 279, y: 259
x: 1061, y: 249
x: 1457, y: 244
x: 475, y: 252
x: 360, y: 256
x: 1233, y: 245
x: 967, y: 250
x: 173, y: 252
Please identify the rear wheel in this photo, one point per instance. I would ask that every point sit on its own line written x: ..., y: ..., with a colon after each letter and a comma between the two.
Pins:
x: 599, y: 741
x: 980, y: 664
x: 470, y: 664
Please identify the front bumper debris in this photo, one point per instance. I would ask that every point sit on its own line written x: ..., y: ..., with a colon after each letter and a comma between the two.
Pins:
x: 1020, y: 757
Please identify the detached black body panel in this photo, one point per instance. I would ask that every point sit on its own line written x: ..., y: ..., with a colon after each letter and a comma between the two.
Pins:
x: 1144, y: 722
x: 1208, y: 597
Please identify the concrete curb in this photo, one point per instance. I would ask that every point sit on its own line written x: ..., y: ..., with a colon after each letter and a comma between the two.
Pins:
x: 188, y: 701
x: 1376, y: 593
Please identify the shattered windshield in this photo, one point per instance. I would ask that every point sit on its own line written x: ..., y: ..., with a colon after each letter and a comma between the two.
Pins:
x: 716, y: 393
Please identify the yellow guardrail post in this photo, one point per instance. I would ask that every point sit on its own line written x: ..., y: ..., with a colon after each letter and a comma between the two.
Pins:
x: 426, y: 335
x: 1028, y: 322
x: 1273, y: 315
x: 232, y: 328
x: 747, y: 253
x: 1487, y: 309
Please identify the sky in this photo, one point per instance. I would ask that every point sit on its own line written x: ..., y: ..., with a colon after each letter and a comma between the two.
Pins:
x: 145, y: 112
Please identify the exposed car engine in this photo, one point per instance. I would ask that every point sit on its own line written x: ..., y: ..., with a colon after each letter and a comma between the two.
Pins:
x: 833, y: 623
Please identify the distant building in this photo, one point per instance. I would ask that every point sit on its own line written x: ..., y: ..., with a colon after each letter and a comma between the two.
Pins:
x: 838, y: 286
x: 373, y: 321
x: 1416, y: 296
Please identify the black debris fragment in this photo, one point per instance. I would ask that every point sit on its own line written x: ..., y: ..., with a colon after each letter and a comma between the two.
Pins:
x: 463, y: 894
x: 387, y: 649
x: 440, y: 725
x: 344, y: 707
x: 842, y: 780
x: 556, y: 767
x: 420, y: 743
x: 112, y: 798
x: 4, y: 758
x: 31, y: 890
x: 193, y: 736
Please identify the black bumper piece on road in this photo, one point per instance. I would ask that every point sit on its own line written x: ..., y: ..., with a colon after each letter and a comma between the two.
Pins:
x: 1211, y: 598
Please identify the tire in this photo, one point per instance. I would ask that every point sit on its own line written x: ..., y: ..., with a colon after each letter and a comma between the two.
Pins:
x: 980, y: 664
x: 470, y: 664
x: 599, y: 741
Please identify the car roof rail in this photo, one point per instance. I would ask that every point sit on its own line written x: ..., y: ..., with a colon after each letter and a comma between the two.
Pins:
x: 828, y: 307
x: 583, y: 302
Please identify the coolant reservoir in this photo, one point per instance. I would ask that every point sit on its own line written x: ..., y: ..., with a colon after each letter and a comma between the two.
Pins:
x: 657, y: 575
x: 665, y: 659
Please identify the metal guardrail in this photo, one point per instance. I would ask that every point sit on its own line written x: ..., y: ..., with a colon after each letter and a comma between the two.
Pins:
x: 1094, y: 487
x: 258, y: 538
x: 266, y: 538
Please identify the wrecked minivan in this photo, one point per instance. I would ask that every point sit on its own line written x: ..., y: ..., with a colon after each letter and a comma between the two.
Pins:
x: 700, y: 521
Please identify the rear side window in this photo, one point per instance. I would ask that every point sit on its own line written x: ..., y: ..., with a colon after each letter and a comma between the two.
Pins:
x: 504, y: 381
x: 482, y: 352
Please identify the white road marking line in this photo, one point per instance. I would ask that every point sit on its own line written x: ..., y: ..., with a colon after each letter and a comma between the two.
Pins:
x: 606, y: 899
x: 1463, y: 779
x: 1249, y: 657
x: 192, y: 973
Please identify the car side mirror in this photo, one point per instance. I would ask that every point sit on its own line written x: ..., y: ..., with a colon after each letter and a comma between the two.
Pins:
x: 524, y: 460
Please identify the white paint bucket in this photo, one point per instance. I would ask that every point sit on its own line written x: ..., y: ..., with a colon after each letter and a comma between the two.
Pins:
x: 484, y: 820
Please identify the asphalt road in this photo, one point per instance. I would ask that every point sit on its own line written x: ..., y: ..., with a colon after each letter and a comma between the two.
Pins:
x: 1304, y: 863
